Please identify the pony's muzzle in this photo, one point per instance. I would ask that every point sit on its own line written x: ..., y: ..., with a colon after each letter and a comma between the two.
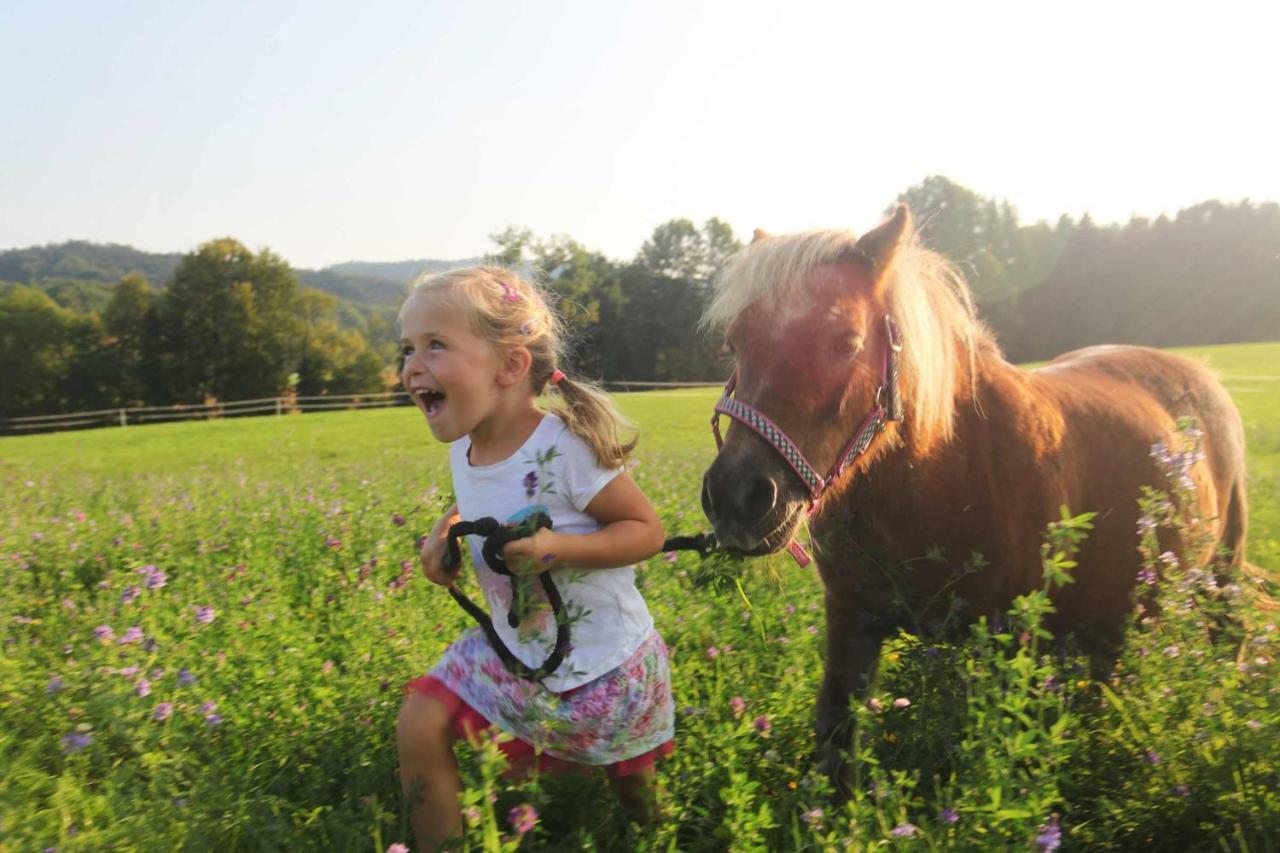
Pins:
x: 741, y: 502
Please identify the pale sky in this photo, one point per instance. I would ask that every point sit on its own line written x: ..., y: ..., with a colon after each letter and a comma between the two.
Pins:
x: 331, y: 131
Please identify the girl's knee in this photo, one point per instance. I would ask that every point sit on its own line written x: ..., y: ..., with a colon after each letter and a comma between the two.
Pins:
x: 424, y: 720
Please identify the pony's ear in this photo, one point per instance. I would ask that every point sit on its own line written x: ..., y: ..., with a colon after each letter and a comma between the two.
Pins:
x: 759, y: 235
x: 881, y: 243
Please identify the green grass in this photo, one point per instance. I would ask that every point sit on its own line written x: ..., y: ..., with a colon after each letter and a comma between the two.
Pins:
x: 285, y: 527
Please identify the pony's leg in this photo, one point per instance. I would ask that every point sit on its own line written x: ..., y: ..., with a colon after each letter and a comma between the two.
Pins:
x: 853, y: 650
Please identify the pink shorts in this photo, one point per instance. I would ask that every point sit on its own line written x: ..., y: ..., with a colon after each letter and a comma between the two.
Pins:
x: 522, y: 757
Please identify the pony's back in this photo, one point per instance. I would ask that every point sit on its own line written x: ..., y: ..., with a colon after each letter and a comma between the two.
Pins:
x: 1181, y: 388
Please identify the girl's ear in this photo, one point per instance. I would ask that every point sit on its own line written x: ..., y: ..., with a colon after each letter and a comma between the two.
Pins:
x: 515, y: 366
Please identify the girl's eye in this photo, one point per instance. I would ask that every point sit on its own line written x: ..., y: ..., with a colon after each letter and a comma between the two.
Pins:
x: 406, y: 351
x: 436, y: 345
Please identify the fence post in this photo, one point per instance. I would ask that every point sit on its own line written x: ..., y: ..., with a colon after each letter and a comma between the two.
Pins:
x: 124, y: 421
x: 277, y: 405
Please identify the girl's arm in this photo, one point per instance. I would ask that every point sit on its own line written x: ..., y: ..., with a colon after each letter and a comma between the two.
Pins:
x: 433, y: 550
x: 631, y: 532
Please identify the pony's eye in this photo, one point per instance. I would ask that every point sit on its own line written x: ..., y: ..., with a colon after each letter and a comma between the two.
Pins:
x: 727, y: 349
x: 851, y: 344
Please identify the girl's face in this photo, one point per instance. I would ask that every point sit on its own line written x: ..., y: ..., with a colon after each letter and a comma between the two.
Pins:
x: 451, y: 373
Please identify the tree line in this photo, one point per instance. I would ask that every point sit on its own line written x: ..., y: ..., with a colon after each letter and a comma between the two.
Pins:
x: 85, y: 327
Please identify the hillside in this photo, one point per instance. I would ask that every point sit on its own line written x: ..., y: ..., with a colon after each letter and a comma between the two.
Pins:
x: 78, y: 274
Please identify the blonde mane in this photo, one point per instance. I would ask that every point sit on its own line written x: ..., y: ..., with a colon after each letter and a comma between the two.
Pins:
x: 927, y: 297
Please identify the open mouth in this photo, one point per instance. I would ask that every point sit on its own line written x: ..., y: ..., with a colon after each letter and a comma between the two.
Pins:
x: 432, y: 401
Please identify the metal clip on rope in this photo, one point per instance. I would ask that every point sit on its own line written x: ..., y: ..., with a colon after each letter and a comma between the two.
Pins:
x: 496, y: 535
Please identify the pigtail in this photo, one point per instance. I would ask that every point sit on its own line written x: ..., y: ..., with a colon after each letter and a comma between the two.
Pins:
x: 590, y: 414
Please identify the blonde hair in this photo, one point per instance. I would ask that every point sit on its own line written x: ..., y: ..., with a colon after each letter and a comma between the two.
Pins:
x: 925, y: 293
x: 510, y: 311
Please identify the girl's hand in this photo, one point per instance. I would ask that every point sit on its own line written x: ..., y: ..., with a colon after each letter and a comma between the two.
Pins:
x: 534, y: 554
x: 434, y: 549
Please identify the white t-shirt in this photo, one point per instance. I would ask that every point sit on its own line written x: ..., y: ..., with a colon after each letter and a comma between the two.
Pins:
x: 555, y: 472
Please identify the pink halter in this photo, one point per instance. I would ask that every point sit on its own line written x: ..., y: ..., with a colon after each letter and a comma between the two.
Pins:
x: 885, y: 410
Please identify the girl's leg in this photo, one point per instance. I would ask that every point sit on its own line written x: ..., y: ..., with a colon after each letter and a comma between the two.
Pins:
x: 638, y: 793
x: 428, y: 769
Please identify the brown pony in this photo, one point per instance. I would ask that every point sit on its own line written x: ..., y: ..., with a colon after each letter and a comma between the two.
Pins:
x: 981, y: 460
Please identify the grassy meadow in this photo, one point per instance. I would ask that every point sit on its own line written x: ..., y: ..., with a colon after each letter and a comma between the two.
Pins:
x: 206, y: 627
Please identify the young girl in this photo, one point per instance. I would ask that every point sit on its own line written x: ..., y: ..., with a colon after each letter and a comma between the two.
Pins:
x: 480, y: 345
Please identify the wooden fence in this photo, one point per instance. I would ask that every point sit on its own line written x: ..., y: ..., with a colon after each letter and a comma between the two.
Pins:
x: 263, y: 406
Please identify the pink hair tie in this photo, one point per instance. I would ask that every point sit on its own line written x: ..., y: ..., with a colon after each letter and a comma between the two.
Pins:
x: 509, y: 293
x: 556, y: 376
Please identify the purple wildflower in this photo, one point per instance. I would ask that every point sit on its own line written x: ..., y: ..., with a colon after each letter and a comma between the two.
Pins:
x: 713, y: 653
x: 763, y: 726
x: 75, y: 742
x: 1153, y: 756
x: 1147, y: 576
x: 132, y: 635
x: 157, y: 579
x: 142, y: 686
x: 130, y: 593
x: 1049, y: 835
x: 104, y: 633
x: 523, y: 818
x: 948, y: 815
x: 904, y: 830
x: 213, y: 720
x: 54, y: 685
x: 204, y: 614
x: 813, y: 818
x: 208, y: 707
x: 163, y: 711
x: 129, y: 671
x: 399, y: 521
x: 1182, y: 791
x: 333, y: 543
x: 185, y: 678
x: 739, y: 705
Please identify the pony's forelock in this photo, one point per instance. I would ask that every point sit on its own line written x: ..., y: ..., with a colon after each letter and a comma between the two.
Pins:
x: 927, y: 297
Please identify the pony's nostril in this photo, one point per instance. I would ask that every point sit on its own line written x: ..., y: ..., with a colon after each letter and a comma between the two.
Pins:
x: 762, y: 497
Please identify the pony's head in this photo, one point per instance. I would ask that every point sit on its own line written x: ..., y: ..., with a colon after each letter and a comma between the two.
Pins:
x: 804, y: 315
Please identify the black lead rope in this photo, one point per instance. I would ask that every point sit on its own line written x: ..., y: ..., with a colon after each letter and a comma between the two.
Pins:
x: 703, y: 543
x: 496, y: 535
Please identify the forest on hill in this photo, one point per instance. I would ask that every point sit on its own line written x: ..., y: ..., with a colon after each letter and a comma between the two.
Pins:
x: 90, y: 326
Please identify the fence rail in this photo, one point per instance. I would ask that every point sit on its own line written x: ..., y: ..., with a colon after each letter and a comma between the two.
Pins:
x: 124, y: 417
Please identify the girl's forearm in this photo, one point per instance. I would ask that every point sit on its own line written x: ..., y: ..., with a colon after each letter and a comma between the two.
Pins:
x: 619, y: 543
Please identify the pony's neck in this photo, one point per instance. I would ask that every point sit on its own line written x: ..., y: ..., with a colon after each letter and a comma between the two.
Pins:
x: 971, y: 376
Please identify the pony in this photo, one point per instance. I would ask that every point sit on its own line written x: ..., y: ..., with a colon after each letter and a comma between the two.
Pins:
x: 954, y: 451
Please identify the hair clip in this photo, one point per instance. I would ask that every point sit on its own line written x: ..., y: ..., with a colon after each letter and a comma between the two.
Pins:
x: 509, y: 293
x: 526, y: 328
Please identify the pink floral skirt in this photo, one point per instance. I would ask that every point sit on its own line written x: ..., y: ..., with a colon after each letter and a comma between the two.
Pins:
x: 622, y: 720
